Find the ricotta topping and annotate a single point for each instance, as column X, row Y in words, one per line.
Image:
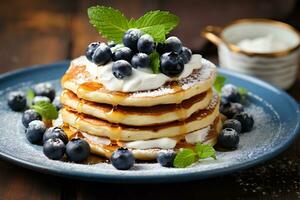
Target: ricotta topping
column 197, row 136
column 140, row 79
column 163, row 143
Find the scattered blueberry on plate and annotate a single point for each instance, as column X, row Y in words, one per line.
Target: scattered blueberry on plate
column 122, row 159
column 54, row 148
column 246, row 120
column 166, row 159
column 35, row 131
column 229, row 138
column 44, row 89
column 55, row 132
column 29, row 116
column 17, row 100
column 77, row 150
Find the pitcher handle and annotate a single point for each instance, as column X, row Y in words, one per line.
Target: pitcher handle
column 212, row 33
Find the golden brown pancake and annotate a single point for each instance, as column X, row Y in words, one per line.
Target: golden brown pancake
column 138, row 116
column 95, row 126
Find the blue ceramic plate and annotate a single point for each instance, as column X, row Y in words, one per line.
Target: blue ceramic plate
column 276, row 116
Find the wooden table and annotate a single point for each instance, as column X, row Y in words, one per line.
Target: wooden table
column 38, row 32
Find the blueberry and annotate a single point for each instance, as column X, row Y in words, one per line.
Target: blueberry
column 91, row 49
column 231, row 93
column 29, row 116
column 44, row 89
column 37, row 99
column 246, row 120
column 121, row 69
column 173, row 44
column 161, row 48
column 234, row 124
column 54, row 148
column 56, row 102
column 102, row 54
column 166, row 159
column 35, row 131
column 77, row 150
column 146, row 44
column 140, row 60
column 170, row 64
column 185, row 54
column 55, row 132
column 123, row 53
column 16, row 100
column 229, row 138
column 122, row 159
column 231, row 109
column 131, row 37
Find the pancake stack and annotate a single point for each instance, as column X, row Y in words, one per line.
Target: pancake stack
column 178, row 114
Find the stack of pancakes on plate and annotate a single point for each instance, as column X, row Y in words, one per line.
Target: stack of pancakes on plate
column 178, row 114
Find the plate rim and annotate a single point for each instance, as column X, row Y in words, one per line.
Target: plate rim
column 159, row 178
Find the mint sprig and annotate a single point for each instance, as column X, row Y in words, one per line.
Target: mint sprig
column 154, row 58
column 109, row 22
column 112, row 24
column 219, row 83
column 29, row 96
column 45, row 109
column 185, row 157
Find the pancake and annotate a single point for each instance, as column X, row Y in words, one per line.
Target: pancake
column 98, row 148
column 138, row 116
column 95, row 126
column 81, row 79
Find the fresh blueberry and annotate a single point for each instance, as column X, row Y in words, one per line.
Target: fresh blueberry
column 37, row 99
column 131, row 37
column 166, row 159
column 54, row 148
column 29, row 116
column 55, row 132
column 170, row 64
column 35, row 131
column 122, row 159
column 246, row 120
column 234, row 124
column 123, row 53
column 185, row 54
column 121, row 69
column 146, row 44
column 229, row 138
column 224, row 101
column 77, row 150
column 173, row 44
column 17, row 100
column 140, row 60
column 231, row 93
column 56, row 102
column 231, row 109
column 161, row 48
column 102, row 54
column 91, row 49
column 44, row 89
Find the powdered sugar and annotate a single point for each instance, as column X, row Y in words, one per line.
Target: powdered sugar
column 266, row 135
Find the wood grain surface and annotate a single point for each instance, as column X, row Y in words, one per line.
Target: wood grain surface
column 44, row 31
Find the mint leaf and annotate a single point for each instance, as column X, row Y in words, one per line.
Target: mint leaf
column 46, row 110
column 29, row 96
column 154, row 58
column 205, row 151
column 242, row 91
column 184, row 158
column 219, row 83
column 109, row 22
column 149, row 20
column 156, row 31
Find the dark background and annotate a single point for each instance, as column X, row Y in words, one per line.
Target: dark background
column 44, row 31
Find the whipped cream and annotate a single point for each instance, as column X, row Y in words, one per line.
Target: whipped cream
column 265, row 44
column 197, row 136
column 162, row 143
column 140, row 79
